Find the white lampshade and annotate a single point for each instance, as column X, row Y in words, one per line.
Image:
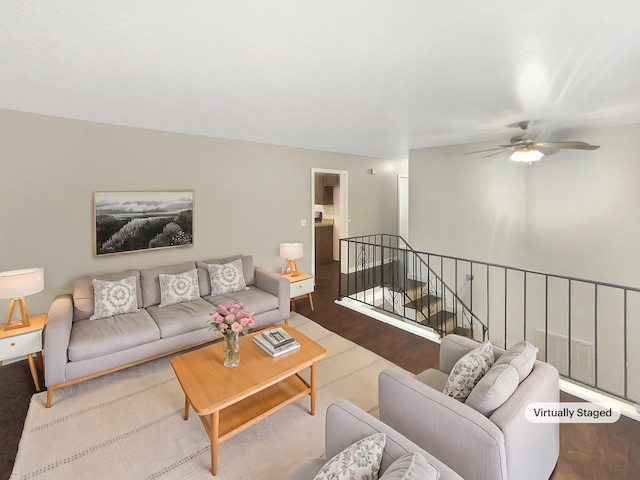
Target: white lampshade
column 20, row 283
column 526, row 155
column 291, row 250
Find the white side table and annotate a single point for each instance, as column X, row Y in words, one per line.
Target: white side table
column 24, row 341
column 302, row 285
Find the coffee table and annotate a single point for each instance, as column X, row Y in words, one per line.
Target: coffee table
column 229, row 400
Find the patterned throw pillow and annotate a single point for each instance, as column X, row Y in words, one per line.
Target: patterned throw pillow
column 180, row 288
column 361, row 460
column 468, row 371
column 226, row 278
column 114, row 298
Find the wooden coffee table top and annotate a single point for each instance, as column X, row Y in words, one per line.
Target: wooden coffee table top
column 210, row 386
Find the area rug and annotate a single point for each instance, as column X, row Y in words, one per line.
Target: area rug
column 130, row 425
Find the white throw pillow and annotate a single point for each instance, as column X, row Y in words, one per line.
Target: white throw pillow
column 226, row 278
column 180, row 288
column 521, row 356
column 411, row 466
column 468, row 371
column 358, row 461
column 114, row 298
column 493, row 389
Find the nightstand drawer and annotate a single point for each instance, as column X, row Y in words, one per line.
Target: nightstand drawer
column 18, row 345
column 302, row 287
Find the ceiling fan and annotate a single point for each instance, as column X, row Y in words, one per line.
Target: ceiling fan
column 525, row 147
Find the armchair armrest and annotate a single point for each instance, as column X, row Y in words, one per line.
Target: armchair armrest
column 532, row 448
column 57, row 333
column 277, row 285
column 462, row 438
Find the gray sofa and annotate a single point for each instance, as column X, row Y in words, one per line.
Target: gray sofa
column 77, row 348
column 346, row 424
column 498, row 445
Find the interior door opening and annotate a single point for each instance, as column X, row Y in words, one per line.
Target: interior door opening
column 329, row 210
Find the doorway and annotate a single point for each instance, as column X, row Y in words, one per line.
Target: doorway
column 329, row 209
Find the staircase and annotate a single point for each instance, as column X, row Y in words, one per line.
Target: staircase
column 392, row 277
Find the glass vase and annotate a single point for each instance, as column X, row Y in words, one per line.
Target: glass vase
column 231, row 350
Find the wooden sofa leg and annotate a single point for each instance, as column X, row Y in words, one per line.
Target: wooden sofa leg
column 49, row 396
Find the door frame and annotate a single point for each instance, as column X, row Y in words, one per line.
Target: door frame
column 403, row 206
column 341, row 226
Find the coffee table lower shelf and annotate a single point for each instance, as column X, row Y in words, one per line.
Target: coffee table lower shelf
column 247, row 412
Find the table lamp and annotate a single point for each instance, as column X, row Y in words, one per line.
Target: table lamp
column 17, row 284
column 291, row 251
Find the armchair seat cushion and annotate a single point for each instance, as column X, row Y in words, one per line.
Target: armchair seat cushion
column 434, row 378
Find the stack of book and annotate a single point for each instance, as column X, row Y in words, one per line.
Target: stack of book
column 276, row 342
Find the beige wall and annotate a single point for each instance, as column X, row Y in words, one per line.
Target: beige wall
column 248, row 197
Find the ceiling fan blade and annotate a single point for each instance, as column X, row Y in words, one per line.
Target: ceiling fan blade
column 497, row 153
column 501, row 147
column 569, row 145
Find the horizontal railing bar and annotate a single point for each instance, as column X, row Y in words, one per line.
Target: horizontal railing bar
column 517, row 269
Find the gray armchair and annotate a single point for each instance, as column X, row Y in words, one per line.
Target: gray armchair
column 346, row 424
column 502, row 446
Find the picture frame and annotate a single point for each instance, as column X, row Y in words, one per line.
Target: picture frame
column 134, row 221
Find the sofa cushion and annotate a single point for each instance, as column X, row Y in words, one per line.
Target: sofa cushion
column 248, row 271
column 359, row 460
column 181, row 317
column 254, row 300
column 468, row 371
column 114, row 297
column 493, row 389
column 83, row 292
column 521, row 356
column 150, row 281
column 226, row 278
column 179, row 288
column 411, row 466
column 95, row 338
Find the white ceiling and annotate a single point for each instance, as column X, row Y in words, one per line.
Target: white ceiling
column 369, row 77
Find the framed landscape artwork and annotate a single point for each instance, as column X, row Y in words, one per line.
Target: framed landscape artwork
column 144, row 220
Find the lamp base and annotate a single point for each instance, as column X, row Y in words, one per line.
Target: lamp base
column 291, row 268
column 11, row 323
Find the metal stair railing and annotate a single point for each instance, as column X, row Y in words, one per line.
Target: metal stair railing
column 585, row 328
column 381, row 266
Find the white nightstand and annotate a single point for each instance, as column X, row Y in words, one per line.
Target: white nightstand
column 301, row 285
column 24, row 341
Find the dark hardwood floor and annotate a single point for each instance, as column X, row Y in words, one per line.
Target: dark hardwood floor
column 587, row 451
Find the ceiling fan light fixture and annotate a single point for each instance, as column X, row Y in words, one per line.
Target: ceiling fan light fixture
column 526, row 155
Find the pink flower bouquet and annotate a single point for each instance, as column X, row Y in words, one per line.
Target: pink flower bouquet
column 232, row 318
